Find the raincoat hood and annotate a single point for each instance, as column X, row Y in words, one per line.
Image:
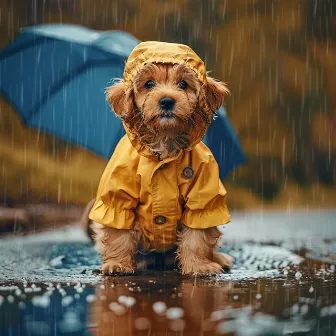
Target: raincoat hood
column 168, row 53
column 162, row 52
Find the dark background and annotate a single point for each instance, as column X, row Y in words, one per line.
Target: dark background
column 278, row 58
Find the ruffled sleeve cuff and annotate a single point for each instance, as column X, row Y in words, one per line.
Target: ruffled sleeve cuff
column 112, row 217
column 206, row 218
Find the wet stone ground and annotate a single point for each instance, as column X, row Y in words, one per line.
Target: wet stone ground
column 49, row 285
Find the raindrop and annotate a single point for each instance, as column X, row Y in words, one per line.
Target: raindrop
column 127, row 301
column 298, row 275
column 177, row 325
column 159, row 307
column 41, row 301
column 295, row 309
column 22, row 305
column 117, row 308
column 174, row 313
column 90, row 298
column 142, row 323
column 304, row 309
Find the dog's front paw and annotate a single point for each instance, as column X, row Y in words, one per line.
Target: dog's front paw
column 111, row 266
column 202, row 267
column 223, row 259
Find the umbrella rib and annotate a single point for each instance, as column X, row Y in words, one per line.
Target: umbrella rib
column 25, row 45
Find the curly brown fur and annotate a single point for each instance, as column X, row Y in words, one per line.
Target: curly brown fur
column 196, row 251
column 117, row 248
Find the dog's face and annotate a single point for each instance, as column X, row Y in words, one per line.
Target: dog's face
column 167, row 96
column 166, row 104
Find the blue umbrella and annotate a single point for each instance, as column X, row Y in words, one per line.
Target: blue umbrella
column 55, row 77
column 223, row 141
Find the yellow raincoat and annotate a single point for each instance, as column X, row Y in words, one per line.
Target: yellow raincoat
column 137, row 189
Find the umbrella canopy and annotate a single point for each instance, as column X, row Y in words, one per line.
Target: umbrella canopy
column 223, row 141
column 55, row 77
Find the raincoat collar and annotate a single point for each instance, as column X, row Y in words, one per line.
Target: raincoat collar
column 143, row 150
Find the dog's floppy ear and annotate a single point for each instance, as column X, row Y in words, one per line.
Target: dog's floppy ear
column 215, row 93
column 119, row 99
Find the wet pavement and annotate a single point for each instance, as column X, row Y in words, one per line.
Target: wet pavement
column 49, row 286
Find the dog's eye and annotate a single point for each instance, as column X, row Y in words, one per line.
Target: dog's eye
column 182, row 85
column 149, row 84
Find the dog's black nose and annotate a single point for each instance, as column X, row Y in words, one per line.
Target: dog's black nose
column 167, row 103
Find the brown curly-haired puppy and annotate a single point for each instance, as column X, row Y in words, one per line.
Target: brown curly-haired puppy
column 163, row 108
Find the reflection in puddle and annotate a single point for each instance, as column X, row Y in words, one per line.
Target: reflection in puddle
column 164, row 303
column 160, row 302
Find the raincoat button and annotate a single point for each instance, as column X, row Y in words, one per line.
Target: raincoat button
column 160, row 220
column 188, row 172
